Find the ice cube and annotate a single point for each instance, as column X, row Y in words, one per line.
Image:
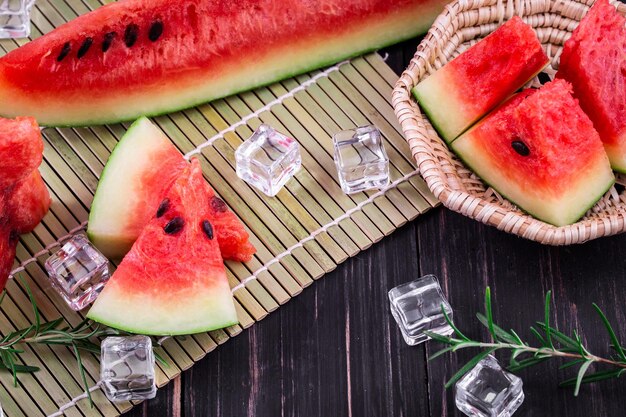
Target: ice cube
column 15, row 18
column 488, row 391
column 127, row 368
column 78, row 271
column 416, row 306
column 268, row 159
column 361, row 160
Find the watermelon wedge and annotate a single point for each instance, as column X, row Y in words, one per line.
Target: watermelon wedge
column 24, row 198
column 149, row 57
column 468, row 87
column 141, row 167
column 540, row 151
column 173, row 279
column 594, row 62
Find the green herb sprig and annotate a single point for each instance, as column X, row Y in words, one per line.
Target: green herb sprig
column 82, row 337
column 551, row 344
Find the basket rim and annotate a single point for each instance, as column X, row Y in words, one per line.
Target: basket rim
column 412, row 121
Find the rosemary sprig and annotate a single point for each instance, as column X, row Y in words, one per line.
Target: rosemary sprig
column 552, row 344
column 82, row 337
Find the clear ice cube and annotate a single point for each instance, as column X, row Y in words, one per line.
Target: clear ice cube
column 416, row 306
column 78, row 271
column 268, row 160
column 127, row 368
column 15, row 18
column 361, row 160
column 489, row 391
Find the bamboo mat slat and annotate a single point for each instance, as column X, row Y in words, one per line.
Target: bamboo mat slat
column 309, row 228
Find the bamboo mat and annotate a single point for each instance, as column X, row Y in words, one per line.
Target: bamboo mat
column 304, row 232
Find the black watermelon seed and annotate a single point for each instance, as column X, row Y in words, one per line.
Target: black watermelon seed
column 14, row 236
column 208, row 229
column 218, row 205
column 108, row 40
column 163, row 207
column 156, row 30
column 520, row 147
column 84, row 48
column 131, row 34
column 67, row 48
column 174, row 226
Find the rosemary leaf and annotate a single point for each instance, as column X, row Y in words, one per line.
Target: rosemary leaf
column 581, row 374
column 609, row 329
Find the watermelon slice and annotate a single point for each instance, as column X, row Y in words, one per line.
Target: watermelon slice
column 173, row 279
column 24, row 198
column 594, row 61
column 472, row 84
column 142, row 166
column 540, row 151
column 148, row 57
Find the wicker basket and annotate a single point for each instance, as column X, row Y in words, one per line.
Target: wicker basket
column 462, row 24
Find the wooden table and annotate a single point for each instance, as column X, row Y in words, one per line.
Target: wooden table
column 335, row 350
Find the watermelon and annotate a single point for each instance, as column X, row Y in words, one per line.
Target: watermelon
column 24, row 198
column 149, row 57
column 475, row 82
column 141, row 167
column 541, row 151
column 21, row 149
column 594, row 62
column 173, row 279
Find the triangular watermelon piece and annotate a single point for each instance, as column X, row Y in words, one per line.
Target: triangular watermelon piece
column 173, row 279
column 594, row 61
column 141, row 167
column 541, row 152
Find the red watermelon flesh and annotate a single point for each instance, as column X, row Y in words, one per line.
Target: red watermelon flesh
column 594, row 62
column 28, row 204
column 482, row 77
column 141, row 168
column 148, row 57
column 173, row 279
column 21, row 149
column 541, row 151
column 24, row 198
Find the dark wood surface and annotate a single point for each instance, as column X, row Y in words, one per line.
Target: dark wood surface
column 335, row 350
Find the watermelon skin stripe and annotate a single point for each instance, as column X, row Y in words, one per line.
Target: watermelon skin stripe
column 231, row 47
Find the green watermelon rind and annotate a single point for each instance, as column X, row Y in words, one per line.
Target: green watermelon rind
column 118, row 149
column 420, row 29
column 579, row 216
column 438, row 128
column 145, row 330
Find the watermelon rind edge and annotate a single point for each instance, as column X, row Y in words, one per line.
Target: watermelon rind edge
column 579, row 216
column 145, row 331
column 118, row 148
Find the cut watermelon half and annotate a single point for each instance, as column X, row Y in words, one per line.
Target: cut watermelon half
column 147, row 57
column 173, row 279
column 594, row 62
column 468, row 87
column 141, row 167
column 540, row 151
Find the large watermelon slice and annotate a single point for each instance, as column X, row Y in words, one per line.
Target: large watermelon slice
column 24, row 198
column 540, row 150
column 148, row 57
column 142, row 166
column 594, row 61
column 173, row 279
column 472, row 84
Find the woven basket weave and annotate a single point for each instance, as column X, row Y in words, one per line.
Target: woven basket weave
column 462, row 24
